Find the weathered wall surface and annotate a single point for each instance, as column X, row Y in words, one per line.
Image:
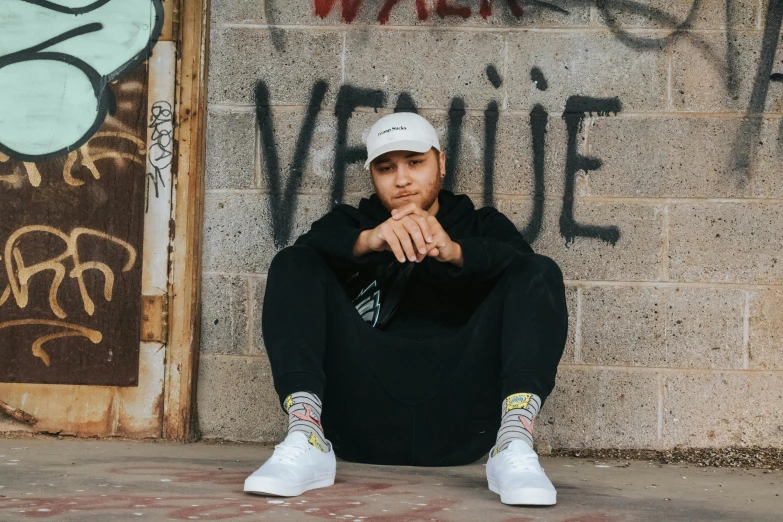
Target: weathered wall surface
column 638, row 143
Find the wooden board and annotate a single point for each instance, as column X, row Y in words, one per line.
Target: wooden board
column 71, row 248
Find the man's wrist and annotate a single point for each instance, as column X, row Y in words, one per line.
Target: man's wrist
column 361, row 247
column 458, row 259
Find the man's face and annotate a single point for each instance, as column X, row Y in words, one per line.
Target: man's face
column 402, row 177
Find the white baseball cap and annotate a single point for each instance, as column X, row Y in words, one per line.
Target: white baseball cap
column 400, row 131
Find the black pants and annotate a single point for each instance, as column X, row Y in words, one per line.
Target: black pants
column 394, row 400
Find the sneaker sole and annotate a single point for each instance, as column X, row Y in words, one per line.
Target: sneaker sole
column 268, row 486
column 525, row 497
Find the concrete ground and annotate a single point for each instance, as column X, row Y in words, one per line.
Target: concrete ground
column 78, row 480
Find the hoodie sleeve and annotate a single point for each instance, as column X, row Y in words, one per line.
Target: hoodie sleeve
column 334, row 236
column 485, row 256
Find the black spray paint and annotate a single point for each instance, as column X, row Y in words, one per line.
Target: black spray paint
column 538, row 78
column 751, row 126
column 732, row 56
column 454, row 141
column 349, row 99
column 405, row 103
column 490, row 145
column 161, row 150
column 283, row 202
column 574, row 115
column 494, row 77
column 750, row 129
column 539, row 119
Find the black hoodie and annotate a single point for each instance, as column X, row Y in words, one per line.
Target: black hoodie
column 420, row 299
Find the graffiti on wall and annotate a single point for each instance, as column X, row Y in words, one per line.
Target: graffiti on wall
column 85, row 156
column 442, row 8
column 576, row 108
column 161, row 148
column 19, row 274
column 283, row 199
column 56, row 60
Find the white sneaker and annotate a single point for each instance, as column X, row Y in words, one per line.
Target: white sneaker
column 518, row 478
column 296, row 466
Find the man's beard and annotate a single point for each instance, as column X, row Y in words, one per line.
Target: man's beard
column 431, row 195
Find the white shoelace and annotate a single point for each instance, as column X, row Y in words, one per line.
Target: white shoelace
column 288, row 452
column 523, row 462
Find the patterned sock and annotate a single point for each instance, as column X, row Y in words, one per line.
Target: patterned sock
column 304, row 414
column 519, row 413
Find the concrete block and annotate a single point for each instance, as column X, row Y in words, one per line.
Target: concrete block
column 587, row 64
column 668, row 14
column 664, row 157
column 242, row 56
column 765, row 343
column 514, row 169
column 224, row 314
column 238, row 229
column 636, row 256
column 431, row 66
column 700, row 81
column 257, row 291
column 600, row 408
column 369, row 12
column 713, row 409
column 726, row 242
column 231, row 150
column 704, row 327
column 236, row 400
column 767, row 181
column 623, row 326
column 660, row 327
column 237, row 11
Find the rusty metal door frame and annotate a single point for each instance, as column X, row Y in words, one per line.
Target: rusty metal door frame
column 192, row 36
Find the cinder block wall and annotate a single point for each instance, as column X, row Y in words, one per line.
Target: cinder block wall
column 640, row 147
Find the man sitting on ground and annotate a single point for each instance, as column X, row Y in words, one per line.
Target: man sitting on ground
column 406, row 320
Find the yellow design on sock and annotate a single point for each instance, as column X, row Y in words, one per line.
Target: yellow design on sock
column 289, row 401
column 314, row 441
column 518, row 401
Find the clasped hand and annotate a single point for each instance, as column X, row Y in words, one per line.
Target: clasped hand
column 413, row 234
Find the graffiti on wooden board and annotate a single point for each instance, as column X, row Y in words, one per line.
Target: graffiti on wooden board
column 56, row 59
column 71, row 251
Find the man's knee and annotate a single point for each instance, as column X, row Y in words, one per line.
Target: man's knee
column 296, row 259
